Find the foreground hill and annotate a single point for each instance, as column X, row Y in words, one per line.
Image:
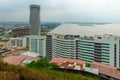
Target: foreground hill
column 12, row 72
column 32, row 72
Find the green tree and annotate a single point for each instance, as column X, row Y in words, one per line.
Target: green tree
column 87, row 64
column 42, row 63
column 0, row 56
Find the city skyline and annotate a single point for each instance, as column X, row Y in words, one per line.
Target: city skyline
column 62, row 11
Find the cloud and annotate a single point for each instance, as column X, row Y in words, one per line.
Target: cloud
column 15, row 10
column 63, row 10
column 84, row 10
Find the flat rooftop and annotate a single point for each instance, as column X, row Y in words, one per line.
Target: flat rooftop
column 35, row 5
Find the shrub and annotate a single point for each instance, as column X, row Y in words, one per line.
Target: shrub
column 42, row 63
column 87, row 64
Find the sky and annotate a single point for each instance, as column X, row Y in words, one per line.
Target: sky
column 107, row 11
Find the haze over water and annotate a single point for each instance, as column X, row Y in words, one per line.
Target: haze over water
column 75, row 29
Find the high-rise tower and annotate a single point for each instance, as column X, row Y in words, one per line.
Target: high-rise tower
column 34, row 19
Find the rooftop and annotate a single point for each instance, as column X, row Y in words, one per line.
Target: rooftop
column 18, row 60
column 74, row 29
column 34, row 5
column 106, row 69
column 69, row 63
column 30, row 54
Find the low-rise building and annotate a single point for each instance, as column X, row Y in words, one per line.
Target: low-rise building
column 19, row 41
column 20, row 32
column 106, row 71
column 4, row 51
column 65, row 63
column 19, row 60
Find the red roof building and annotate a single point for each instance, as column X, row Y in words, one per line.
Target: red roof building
column 106, row 70
column 19, row 60
column 69, row 63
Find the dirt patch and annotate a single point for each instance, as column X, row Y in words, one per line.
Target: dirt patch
column 2, row 44
column 16, row 52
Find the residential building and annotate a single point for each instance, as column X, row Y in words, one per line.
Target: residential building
column 49, row 46
column 20, row 32
column 104, row 49
column 19, row 41
column 38, row 45
column 2, row 29
column 83, row 43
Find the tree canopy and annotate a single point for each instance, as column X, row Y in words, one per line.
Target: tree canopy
column 42, row 63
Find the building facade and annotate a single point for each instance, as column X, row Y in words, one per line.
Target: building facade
column 104, row 49
column 38, row 45
column 64, row 46
column 49, row 46
column 34, row 19
column 19, row 41
column 20, row 32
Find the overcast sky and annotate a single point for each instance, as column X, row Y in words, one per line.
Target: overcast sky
column 63, row 10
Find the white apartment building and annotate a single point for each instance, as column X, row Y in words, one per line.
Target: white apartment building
column 81, row 42
column 19, row 41
column 38, row 45
column 104, row 49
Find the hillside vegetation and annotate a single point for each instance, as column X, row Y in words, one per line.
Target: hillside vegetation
column 12, row 72
column 40, row 70
column 50, row 68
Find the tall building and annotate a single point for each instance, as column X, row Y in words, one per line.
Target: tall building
column 49, row 46
column 37, row 43
column 34, row 19
column 99, row 43
column 87, row 43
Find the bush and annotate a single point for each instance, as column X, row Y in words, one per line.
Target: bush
column 53, row 65
column 42, row 63
column 87, row 64
column 118, row 69
column 9, row 76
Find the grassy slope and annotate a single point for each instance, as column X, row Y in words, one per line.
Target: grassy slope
column 69, row 76
column 12, row 72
